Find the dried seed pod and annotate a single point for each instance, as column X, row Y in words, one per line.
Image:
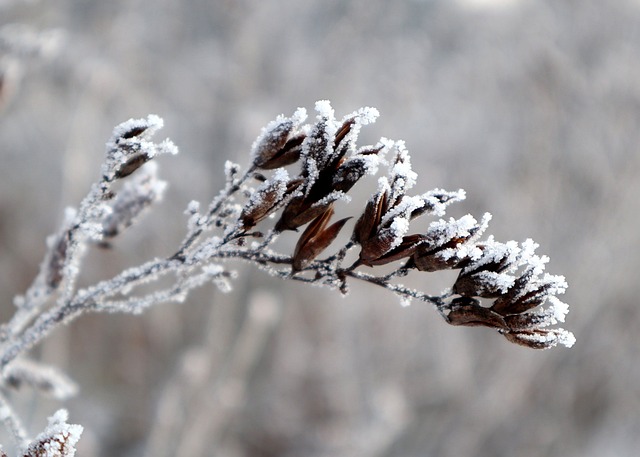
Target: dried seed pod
column 528, row 292
column 277, row 139
column 271, row 141
column 327, row 172
column 370, row 219
column 134, row 131
column 268, row 198
column 343, row 131
column 377, row 246
column 540, row 338
column 485, row 284
column 287, row 155
column 318, row 149
column 132, row 164
column 315, row 239
column 293, row 208
column 406, row 248
column 446, row 256
column 449, row 244
column 473, row 315
column 291, row 220
column 486, row 275
column 130, row 147
column 350, row 172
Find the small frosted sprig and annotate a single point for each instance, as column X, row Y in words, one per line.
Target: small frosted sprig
column 508, row 273
column 131, row 146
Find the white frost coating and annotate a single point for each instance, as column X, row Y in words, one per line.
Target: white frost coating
column 550, row 338
column 558, row 308
column 565, row 337
column 311, row 168
column 294, row 122
column 230, row 168
column 558, row 282
column 494, row 281
column 528, row 257
column 152, row 124
column 367, row 115
column 443, row 231
column 403, row 209
column 401, row 170
column 326, row 113
column 280, row 175
column 58, row 439
column 439, row 208
column 277, row 183
column 193, row 207
column 332, row 197
column 44, row 378
column 495, row 252
column 273, row 190
column 398, row 228
column 383, row 185
column 299, row 116
column 167, row 147
column 133, row 139
column 193, row 211
column 371, row 163
column 213, row 269
column 324, row 109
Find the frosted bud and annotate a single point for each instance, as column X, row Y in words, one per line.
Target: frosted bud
column 279, row 143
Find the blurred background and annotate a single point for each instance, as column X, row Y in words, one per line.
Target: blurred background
column 533, row 107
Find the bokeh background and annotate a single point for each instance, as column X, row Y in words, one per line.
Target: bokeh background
column 531, row 106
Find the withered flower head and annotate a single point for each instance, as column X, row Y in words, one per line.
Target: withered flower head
column 331, row 165
column 518, row 312
column 382, row 228
column 130, row 147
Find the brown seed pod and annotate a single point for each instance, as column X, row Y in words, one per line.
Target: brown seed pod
column 315, row 239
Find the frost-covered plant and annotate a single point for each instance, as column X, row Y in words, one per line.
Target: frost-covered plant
column 298, row 173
